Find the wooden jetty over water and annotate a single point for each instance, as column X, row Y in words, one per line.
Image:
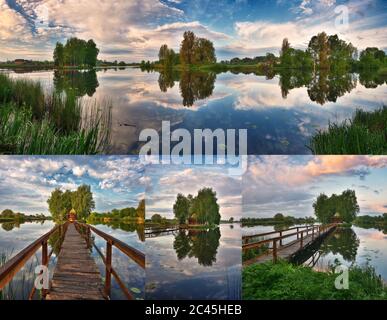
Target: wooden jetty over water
column 283, row 244
column 158, row 232
column 76, row 275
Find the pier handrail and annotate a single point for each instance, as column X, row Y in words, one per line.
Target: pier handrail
column 300, row 237
column 274, row 232
column 134, row 254
column 13, row 266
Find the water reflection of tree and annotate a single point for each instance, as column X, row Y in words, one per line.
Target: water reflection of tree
column 167, row 79
column 372, row 79
column 196, row 86
column 9, row 226
column 193, row 85
column 343, row 241
column 78, row 82
column 201, row 244
column 325, row 86
column 126, row 226
column 328, row 86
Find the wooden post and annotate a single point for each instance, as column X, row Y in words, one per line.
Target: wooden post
column 313, row 233
column 281, row 238
column 298, row 230
column 88, row 237
column 302, row 239
column 274, row 251
column 108, row 276
column 44, row 253
column 44, row 261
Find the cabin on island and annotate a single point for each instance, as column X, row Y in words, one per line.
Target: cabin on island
column 72, row 216
column 337, row 218
column 193, row 219
column 20, row 61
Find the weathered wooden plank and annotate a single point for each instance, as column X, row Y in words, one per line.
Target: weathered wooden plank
column 76, row 276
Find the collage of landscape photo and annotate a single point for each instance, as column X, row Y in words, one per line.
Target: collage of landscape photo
column 193, row 150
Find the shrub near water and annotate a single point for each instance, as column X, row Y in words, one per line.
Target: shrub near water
column 284, row 281
column 366, row 133
column 34, row 123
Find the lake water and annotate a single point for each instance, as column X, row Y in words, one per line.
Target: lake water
column 346, row 246
column 194, row 264
column 14, row 238
column 280, row 112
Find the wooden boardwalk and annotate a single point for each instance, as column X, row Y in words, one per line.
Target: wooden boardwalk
column 286, row 251
column 76, row 276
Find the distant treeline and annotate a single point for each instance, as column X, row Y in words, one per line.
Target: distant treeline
column 324, row 52
column 364, row 220
column 120, row 214
column 9, row 215
column 279, row 218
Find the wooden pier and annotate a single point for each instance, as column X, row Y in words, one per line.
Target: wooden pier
column 274, row 248
column 76, row 275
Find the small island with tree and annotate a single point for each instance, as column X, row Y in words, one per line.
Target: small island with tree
column 81, row 203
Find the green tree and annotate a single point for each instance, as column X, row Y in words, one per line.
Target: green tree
column 279, row 217
column 163, row 52
column 345, row 205
column 205, row 207
column 181, row 208
column 140, row 211
column 91, row 53
column 82, row 201
column 187, row 49
column 59, row 55
column 156, row 218
column 58, row 204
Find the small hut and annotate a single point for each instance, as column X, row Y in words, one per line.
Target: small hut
column 337, row 218
column 193, row 219
column 72, row 216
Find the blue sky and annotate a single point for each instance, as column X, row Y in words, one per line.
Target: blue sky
column 134, row 30
column 27, row 182
column 290, row 185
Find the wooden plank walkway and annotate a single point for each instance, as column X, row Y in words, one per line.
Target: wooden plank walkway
column 287, row 251
column 76, row 276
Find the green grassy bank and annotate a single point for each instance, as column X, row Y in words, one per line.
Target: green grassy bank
column 33, row 121
column 366, row 133
column 284, row 281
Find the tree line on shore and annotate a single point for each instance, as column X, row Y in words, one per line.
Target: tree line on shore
column 8, row 214
column 323, row 52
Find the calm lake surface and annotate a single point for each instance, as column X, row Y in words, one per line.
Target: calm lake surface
column 345, row 245
column 281, row 112
column 194, row 264
column 14, row 238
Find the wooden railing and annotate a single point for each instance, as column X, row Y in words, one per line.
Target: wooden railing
column 131, row 252
column 15, row 264
column 277, row 242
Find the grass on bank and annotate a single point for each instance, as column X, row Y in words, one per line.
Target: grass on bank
column 35, row 122
column 284, row 281
column 366, row 133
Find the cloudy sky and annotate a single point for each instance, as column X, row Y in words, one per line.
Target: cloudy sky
column 289, row 185
column 134, row 30
column 26, row 182
column 165, row 182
